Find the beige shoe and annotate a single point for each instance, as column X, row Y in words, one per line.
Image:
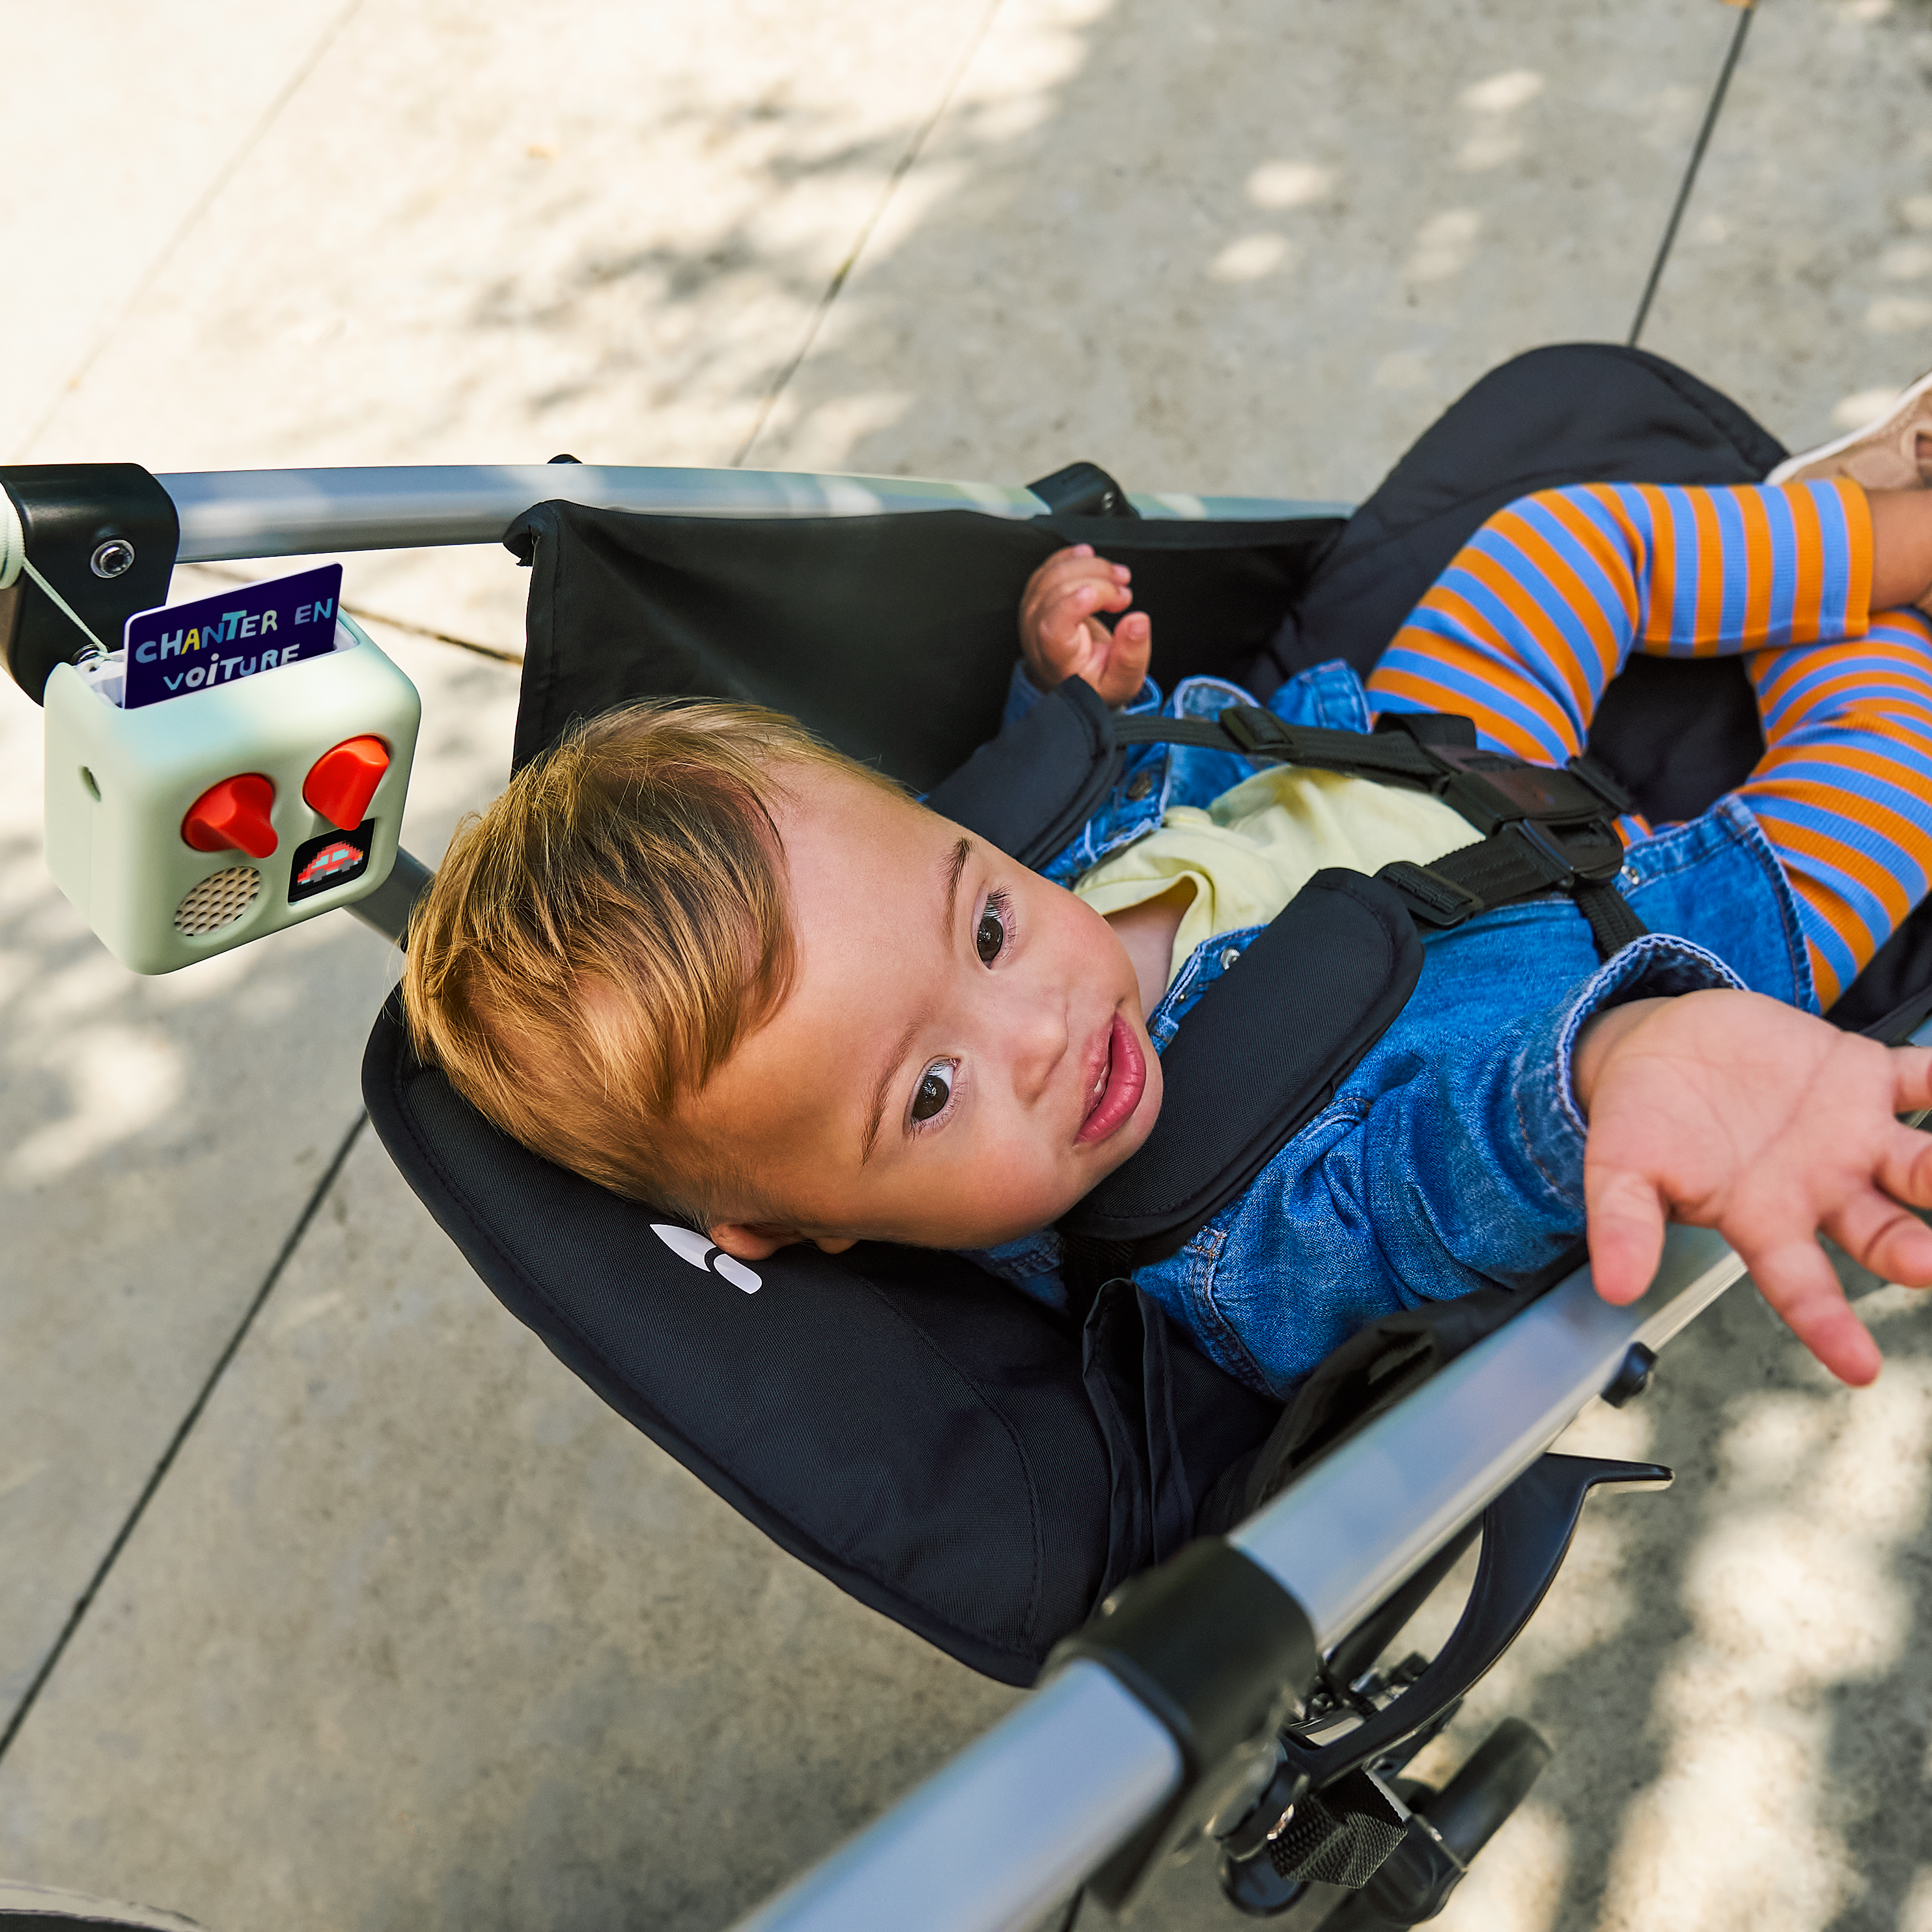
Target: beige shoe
column 1893, row 453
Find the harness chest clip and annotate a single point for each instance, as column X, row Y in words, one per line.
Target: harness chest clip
column 1491, row 790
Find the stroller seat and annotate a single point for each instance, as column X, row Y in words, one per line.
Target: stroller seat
column 951, row 1453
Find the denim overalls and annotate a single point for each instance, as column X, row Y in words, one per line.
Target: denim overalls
column 1452, row 1157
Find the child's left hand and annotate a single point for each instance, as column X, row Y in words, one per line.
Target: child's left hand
column 1731, row 1111
column 1061, row 634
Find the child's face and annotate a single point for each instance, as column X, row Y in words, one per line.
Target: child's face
column 962, row 1055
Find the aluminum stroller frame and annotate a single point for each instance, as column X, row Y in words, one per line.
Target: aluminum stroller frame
column 1129, row 1748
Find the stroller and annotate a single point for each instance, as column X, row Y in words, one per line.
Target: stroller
column 1043, row 1500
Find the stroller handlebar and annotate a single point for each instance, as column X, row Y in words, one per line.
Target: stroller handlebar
column 1016, row 1822
column 253, row 513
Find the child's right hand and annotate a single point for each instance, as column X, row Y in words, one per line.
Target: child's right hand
column 1730, row 1111
column 1061, row 633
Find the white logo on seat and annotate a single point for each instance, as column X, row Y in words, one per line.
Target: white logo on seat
column 689, row 1245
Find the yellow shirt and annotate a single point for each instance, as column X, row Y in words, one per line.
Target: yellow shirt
column 1258, row 845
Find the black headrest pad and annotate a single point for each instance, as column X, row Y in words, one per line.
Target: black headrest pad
column 917, row 1432
column 1259, row 1056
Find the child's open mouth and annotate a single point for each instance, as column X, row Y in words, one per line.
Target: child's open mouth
column 1118, row 1087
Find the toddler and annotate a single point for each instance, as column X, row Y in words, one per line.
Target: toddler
column 702, row 959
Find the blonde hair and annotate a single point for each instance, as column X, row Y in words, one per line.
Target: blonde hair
column 595, row 944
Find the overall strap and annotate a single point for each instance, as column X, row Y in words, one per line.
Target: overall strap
column 1544, row 829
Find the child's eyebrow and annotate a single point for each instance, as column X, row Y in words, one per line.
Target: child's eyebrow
column 956, row 865
column 878, row 1114
column 954, row 870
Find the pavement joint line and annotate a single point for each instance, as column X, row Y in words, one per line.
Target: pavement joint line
column 1746, row 8
column 85, row 1601
column 203, row 203
column 364, row 616
column 914, row 149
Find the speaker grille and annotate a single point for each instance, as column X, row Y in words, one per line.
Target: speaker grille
column 220, row 900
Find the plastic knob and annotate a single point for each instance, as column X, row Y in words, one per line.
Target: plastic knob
column 342, row 782
column 233, row 817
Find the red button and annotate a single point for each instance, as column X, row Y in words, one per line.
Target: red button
column 342, row 782
column 233, row 817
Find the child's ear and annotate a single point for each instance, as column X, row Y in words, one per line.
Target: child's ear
column 749, row 1241
column 745, row 1243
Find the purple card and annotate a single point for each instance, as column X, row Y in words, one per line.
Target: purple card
column 243, row 632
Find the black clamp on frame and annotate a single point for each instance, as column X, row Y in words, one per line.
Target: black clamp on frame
column 1082, row 490
column 1221, row 1654
column 103, row 535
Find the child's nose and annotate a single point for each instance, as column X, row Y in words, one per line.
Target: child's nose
column 1037, row 1028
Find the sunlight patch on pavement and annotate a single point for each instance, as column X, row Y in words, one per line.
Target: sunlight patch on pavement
column 1793, row 1591
column 118, row 1082
column 1444, row 245
column 1290, row 184
column 1860, row 407
column 1251, row 257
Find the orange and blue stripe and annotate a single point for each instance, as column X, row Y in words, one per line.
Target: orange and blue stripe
column 1541, row 609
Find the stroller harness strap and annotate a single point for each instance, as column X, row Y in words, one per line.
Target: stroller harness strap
column 1331, row 972
column 1544, row 829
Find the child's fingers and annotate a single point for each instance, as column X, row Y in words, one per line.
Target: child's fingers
column 1625, row 1227
column 1126, row 653
column 1903, row 1168
column 1071, row 602
column 1880, row 1235
column 1798, row 1281
column 1912, row 1074
column 1051, row 582
column 1066, row 567
column 1060, row 561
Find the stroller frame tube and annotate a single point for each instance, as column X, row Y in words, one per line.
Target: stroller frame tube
column 1340, row 1538
column 226, row 514
column 1015, row 1823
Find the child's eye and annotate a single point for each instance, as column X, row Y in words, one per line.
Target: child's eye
column 935, row 1089
column 989, row 936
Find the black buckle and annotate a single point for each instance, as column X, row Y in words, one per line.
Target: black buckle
column 1556, row 862
column 1436, row 901
column 1491, row 789
column 1259, row 733
column 1590, row 853
column 1434, row 730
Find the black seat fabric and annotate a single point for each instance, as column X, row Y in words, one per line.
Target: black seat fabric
column 945, row 1449
column 949, row 1452
column 892, row 636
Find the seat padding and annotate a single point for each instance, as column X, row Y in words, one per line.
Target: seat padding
column 949, row 1452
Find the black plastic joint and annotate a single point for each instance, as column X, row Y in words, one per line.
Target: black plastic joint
column 1256, row 730
column 1209, row 1642
column 1082, row 490
column 1217, row 1649
column 104, row 535
column 1633, row 1376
